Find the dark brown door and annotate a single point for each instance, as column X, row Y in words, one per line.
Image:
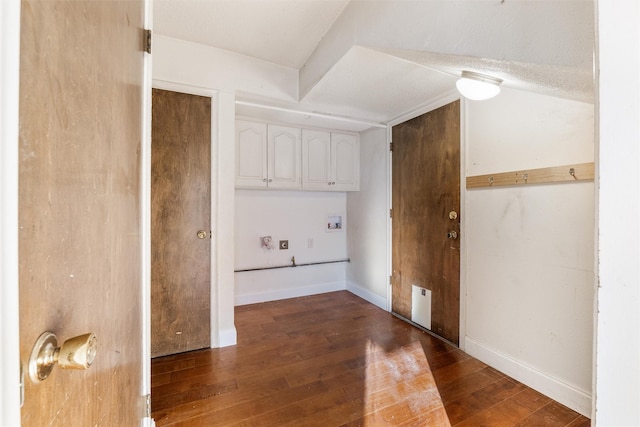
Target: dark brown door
column 425, row 190
column 180, row 222
column 81, row 79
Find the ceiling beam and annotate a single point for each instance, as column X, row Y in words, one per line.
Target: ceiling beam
column 557, row 33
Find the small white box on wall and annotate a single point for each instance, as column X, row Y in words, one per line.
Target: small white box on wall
column 334, row 223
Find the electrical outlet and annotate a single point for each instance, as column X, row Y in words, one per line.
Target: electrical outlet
column 284, row 244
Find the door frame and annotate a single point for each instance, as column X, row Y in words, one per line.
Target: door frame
column 9, row 145
column 431, row 105
column 145, row 216
column 218, row 336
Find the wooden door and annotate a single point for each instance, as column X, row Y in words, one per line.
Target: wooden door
column 180, row 209
column 426, row 188
column 81, row 93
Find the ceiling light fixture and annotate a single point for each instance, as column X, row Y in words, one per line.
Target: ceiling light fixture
column 478, row 87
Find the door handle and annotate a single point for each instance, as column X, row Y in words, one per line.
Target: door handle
column 75, row 353
column 202, row 234
column 452, row 235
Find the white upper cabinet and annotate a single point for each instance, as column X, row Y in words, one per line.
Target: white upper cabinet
column 330, row 161
column 251, row 154
column 283, row 152
column 316, row 160
column 267, row 156
column 345, row 162
column 283, row 157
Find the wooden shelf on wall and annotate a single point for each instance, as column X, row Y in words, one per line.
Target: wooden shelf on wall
column 566, row 173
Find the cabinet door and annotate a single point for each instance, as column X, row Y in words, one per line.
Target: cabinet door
column 283, row 170
column 345, row 162
column 251, row 154
column 316, row 160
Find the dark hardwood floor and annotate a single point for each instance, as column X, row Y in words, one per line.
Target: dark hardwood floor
column 335, row 360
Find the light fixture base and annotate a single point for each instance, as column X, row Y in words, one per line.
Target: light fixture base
column 477, row 86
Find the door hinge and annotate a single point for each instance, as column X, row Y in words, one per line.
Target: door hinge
column 147, row 41
column 391, row 213
column 21, row 385
column 390, row 280
column 391, row 146
column 147, row 410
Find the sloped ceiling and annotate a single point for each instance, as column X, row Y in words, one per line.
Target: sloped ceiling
column 284, row 32
column 376, row 60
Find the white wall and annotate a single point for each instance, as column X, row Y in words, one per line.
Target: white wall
column 179, row 61
column 618, row 329
column 367, row 211
column 223, row 173
column 296, row 216
column 530, row 248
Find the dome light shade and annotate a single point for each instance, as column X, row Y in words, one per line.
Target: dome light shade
column 478, row 87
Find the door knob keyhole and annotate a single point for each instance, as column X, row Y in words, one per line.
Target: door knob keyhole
column 75, row 353
column 452, row 235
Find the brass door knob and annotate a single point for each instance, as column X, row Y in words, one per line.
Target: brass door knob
column 75, row 353
column 452, row 235
column 202, row 234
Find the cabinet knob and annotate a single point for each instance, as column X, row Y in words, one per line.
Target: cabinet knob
column 264, row 180
column 270, row 180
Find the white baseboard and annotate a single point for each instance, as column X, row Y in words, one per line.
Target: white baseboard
column 367, row 295
column 570, row 396
column 304, row 291
column 228, row 337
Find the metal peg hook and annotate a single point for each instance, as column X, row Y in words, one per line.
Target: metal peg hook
column 572, row 172
column 525, row 177
column 490, row 181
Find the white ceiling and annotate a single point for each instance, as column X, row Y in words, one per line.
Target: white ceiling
column 377, row 60
column 284, row 32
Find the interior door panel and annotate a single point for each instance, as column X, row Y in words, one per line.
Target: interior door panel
column 180, row 222
column 426, row 245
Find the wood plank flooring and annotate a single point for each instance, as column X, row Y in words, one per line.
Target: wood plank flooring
column 336, row 360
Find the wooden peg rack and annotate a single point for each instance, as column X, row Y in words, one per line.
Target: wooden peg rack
column 567, row 173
